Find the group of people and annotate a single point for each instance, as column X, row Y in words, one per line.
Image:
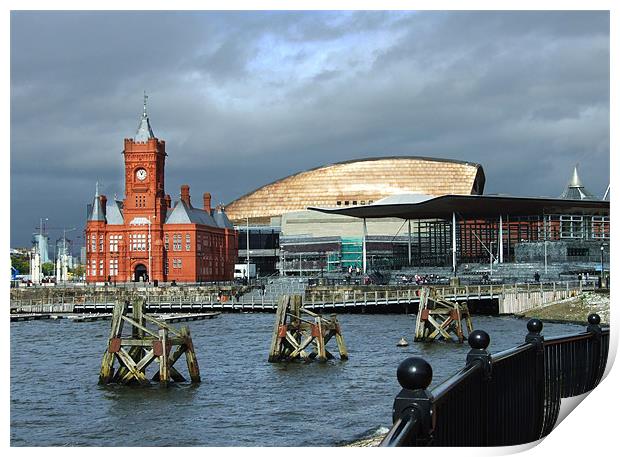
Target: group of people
column 354, row 271
column 422, row 279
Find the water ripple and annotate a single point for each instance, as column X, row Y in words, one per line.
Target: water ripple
column 242, row 401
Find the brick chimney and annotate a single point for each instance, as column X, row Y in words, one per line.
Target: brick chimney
column 206, row 199
column 185, row 194
column 168, row 201
column 103, row 199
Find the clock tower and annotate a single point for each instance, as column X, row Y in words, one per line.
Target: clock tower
column 145, row 239
column 145, row 159
column 145, row 205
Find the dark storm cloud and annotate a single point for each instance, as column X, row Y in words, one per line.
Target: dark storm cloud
column 245, row 98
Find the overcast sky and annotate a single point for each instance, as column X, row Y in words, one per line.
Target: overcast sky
column 243, row 99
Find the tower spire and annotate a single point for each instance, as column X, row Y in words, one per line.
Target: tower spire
column 96, row 211
column 144, row 132
column 575, row 181
column 144, row 115
column 575, row 189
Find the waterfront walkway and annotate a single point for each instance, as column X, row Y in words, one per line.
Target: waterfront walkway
column 510, row 299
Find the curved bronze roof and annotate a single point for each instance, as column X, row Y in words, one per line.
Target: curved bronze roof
column 358, row 182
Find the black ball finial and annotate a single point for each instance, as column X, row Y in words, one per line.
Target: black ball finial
column 414, row 373
column 594, row 319
column 535, row 326
column 479, row 339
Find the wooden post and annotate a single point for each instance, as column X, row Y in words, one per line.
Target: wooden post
column 292, row 333
column 137, row 313
column 342, row 348
column 164, row 371
column 190, row 355
column 137, row 351
column 279, row 327
column 438, row 317
column 107, row 364
column 320, row 346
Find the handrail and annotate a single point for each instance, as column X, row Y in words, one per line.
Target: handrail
column 567, row 338
column 507, row 353
column 439, row 392
column 515, row 393
column 400, row 431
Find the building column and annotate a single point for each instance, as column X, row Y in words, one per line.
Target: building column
column 409, row 240
column 364, row 235
column 453, row 243
column 501, row 240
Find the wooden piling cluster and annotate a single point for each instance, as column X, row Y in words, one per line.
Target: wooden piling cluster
column 145, row 345
column 297, row 328
column 440, row 318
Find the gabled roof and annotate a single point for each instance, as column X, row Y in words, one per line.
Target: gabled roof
column 182, row 213
column 221, row 219
column 114, row 213
column 575, row 190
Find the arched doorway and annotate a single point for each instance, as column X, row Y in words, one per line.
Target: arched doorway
column 139, row 273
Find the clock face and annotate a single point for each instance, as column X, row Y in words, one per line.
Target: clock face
column 141, row 174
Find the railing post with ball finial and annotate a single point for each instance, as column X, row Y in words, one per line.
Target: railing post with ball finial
column 412, row 406
column 479, row 341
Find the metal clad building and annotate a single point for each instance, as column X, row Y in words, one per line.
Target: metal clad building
column 357, row 182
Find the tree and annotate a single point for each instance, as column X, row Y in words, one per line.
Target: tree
column 78, row 271
column 47, row 268
column 21, row 263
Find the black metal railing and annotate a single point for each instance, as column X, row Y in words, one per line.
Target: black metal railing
column 509, row 398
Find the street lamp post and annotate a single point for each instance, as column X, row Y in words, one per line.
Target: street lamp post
column 545, row 238
column 55, row 266
column 149, row 242
column 247, row 248
column 283, row 266
column 602, row 252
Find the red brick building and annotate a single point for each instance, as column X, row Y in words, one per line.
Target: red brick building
column 189, row 244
